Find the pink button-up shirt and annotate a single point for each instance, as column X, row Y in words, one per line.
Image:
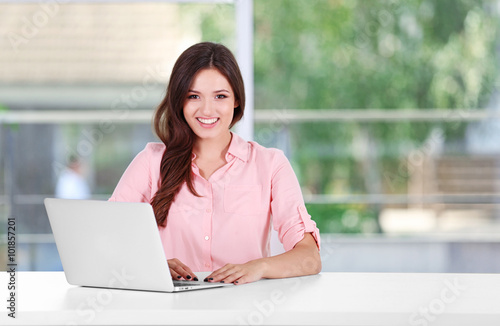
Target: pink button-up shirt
column 231, row 221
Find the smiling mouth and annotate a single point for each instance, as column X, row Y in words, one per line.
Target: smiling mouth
column 208, row 121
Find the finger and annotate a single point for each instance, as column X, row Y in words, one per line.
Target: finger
column 233, row 277
column 189, row 274
column 182, row 270
column 176, row 268
column 209, row 278
column 186, row 273
column 223, row 273
column 175, row 275
column 214, row 274
column 242, row 280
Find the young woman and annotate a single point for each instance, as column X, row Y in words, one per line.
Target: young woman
column 215, row 195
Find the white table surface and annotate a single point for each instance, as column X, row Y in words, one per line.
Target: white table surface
column 45, row 298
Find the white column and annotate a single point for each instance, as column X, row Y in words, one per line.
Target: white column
column 244, row 55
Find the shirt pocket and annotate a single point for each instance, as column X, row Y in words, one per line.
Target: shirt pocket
column 242, row 199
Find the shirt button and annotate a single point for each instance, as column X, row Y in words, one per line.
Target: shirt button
column 207, row 265
column 302, row 208
column 207, row 237
column 208, row 210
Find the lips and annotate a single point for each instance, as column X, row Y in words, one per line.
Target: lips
column 208, row 121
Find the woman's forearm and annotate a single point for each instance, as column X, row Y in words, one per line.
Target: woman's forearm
column 303, row 259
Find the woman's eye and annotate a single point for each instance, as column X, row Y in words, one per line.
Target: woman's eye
column 193, row 97
column 220, row 96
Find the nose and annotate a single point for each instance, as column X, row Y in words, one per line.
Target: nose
column 207, row 108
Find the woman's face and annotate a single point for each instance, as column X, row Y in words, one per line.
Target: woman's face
column 209, row 105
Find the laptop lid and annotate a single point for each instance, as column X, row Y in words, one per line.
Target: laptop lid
column 110, row 244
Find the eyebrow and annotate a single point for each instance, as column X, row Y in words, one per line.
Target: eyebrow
column 217, row 91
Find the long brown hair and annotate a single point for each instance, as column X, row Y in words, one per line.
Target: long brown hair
column 171, row 126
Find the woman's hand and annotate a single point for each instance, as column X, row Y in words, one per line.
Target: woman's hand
column 178, row 270
column 239, row 273
column 303, row 259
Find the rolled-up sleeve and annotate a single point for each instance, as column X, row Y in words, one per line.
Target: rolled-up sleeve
column 289, row 214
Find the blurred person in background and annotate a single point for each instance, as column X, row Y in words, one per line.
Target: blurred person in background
column 215, row 195
column 71, row 183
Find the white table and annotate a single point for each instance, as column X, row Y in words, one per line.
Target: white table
column 44, row 298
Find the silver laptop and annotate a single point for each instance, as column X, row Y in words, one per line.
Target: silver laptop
column 113, row 245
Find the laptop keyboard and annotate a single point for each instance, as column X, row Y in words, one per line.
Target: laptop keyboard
column 186, row 283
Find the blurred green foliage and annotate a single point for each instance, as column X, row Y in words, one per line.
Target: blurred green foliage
column 343, row 218
column 320, row 54
column 216, row 22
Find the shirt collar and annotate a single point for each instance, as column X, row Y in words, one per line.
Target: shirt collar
column 238, row 148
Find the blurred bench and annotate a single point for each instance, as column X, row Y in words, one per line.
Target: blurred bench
column 461, row 176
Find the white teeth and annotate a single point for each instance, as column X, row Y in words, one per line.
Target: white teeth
column 208, row 121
